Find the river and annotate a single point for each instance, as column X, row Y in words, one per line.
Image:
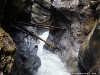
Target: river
column 50, row 62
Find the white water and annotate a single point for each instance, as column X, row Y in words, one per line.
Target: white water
column 50, row 63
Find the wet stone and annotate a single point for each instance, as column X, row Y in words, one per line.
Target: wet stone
column 6, row 63
column 26, row 59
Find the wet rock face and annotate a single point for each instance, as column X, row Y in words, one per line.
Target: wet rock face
column 90, row 50
column 72, row 18
column 67, row 40
column 26, row 61
column 41, row 11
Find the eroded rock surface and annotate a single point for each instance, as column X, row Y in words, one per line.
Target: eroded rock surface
column 26, row 61
column 70, row 15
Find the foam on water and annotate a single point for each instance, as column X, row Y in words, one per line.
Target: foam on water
column 50, row 62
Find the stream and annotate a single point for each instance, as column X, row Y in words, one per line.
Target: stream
column 50, row 62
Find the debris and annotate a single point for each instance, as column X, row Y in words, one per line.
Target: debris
column 33, row 34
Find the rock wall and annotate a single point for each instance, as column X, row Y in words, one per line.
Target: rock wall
column 26, row 61
column 72, row 15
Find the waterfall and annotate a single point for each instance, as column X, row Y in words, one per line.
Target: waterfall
column 50, row 62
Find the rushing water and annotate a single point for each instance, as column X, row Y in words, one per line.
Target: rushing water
column 50, row 62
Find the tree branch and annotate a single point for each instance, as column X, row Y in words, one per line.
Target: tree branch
column 33, row 34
